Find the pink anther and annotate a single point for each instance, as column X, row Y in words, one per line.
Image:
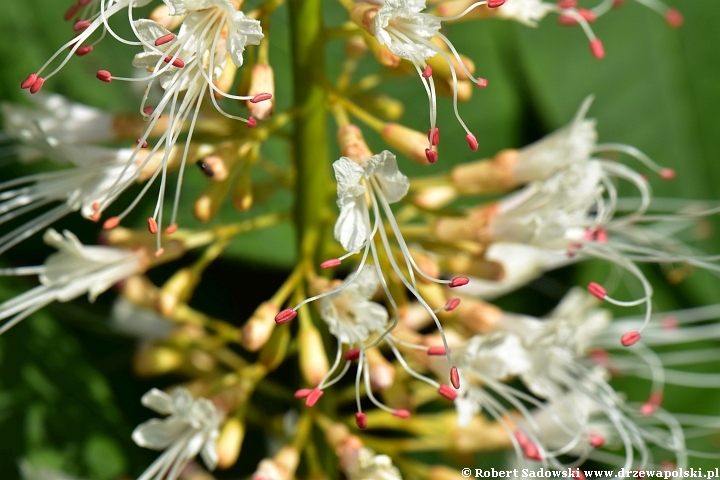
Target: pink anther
column 361, row 420
column 472, row 142
column 427, row 73
column 447, row 392
column 630, row 338
column 165, row 39
column 352, row 354
column 431, row 155
column 152, row 225
column 597, row 290
column 285, row 316
column 459, row 282
column 332, row 263
column 436, row 351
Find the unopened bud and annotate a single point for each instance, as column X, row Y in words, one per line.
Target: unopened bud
column 446, row 88
column 227, row 78
column 208, row 204
column 152, row 360
column 257, row 330
column 243, row 193
column 262, row 80
column 435, row 197
column 426, row 264
column 382, row 373
column 161, row 15
column 382, row 106
column 229, row 443
column 381, row 52
column 486, row 176
column 273, row 353
column 352, row 143
column 408, row 142
column 470, row 227
column 479, row 317
column 441, row 69
column 313, row 360
column 177, row 290
column 355, row 47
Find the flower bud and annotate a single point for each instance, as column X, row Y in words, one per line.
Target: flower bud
column 208, row 204
column 226, row 79
column 257, row 330
column 382, row 373
column 230, row 442
column 153, row 360
column 453, row 8
column 313, row 360
column 464, row 89
column 161, row 15
column 262, row 80
column 140, row 291
column 433, row 198
column 352, row 144
column 410, row 143
column 382, row 106
column 273, row 353
column 470, row 227
column 128, row 126
column 355, row 47
column 427, row 264
column 177, row 290
column 381, row 52
column 479, row 317
column 486, row 176
column 243, row 193
column 474, row 266
column 363, row 15
column 441, row 69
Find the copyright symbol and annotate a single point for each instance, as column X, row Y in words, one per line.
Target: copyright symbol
column 466, row 472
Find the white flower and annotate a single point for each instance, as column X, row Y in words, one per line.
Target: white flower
column 370, row 466
column 498, row 356
column 191, row 428
column 571, row 144
column 529, row 12
column 58, row 118
column 406, row 32
column 380, row 177
column 69, row 273
column 350, row 314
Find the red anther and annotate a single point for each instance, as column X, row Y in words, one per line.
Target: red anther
column 302, row 393
column 28, row 82
column 566, row 20
column 447, row 392
column 597, row 48
column 567, row 3
column 455, row 377
column 495, row 3
column 599, row 356
column 667, row 173
column 361, row 420
column 588, row 15
column 70, row 13
column 165, row 39
column 148, row 110
column 481, row 82
column 313, row 397
column 111, row 223
column 427, row 73
column 401, row 413
column 647, row 409
column 37, row 85
column 84, row 50
column 159, row 252
column 352, row 354
column 668, row 466
column 95, row 206
column 630, row 338
column 285, row 316
column 176, row 62
column 434, row 136
column 436, row 351
column 597, row 290
column 81, row 25
column 472, row 142
column 104, row 76
column 452, row 304
column 618, row 3
column 171, row 229
column 152, row 225
column 531, row 452
column 252, row 123
column 431, row 155
column 577, row 473
column 595, row 440
column 95, row 217
column 261, row 97
column 656, row 398
column 521, row 438
column 332, row 263
column 459, row 282
column 82, row 3
column 601, row 235
column 674, row 18
column 144, row 144
column 669, row 323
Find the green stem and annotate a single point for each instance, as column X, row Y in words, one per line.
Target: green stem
column 310, row 133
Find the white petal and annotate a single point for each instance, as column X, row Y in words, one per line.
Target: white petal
column 209, row 453
column 350, row 229
column 244, row 31
column 159, row 434
column 159, row 401
column 149, row 31
column 394, row 184
column 366, row 282
column 348, row 175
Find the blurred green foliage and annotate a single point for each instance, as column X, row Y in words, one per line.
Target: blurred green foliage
column 67, row 396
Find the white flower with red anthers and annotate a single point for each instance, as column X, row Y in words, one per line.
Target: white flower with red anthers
column 352, row 318
column 73, row 270
column 58, row 118
column 529, row 12
column 191, row 428
column 407, row 32
column 186, row 65
column 365, row 191
column 95, row 17
column 81, row 188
